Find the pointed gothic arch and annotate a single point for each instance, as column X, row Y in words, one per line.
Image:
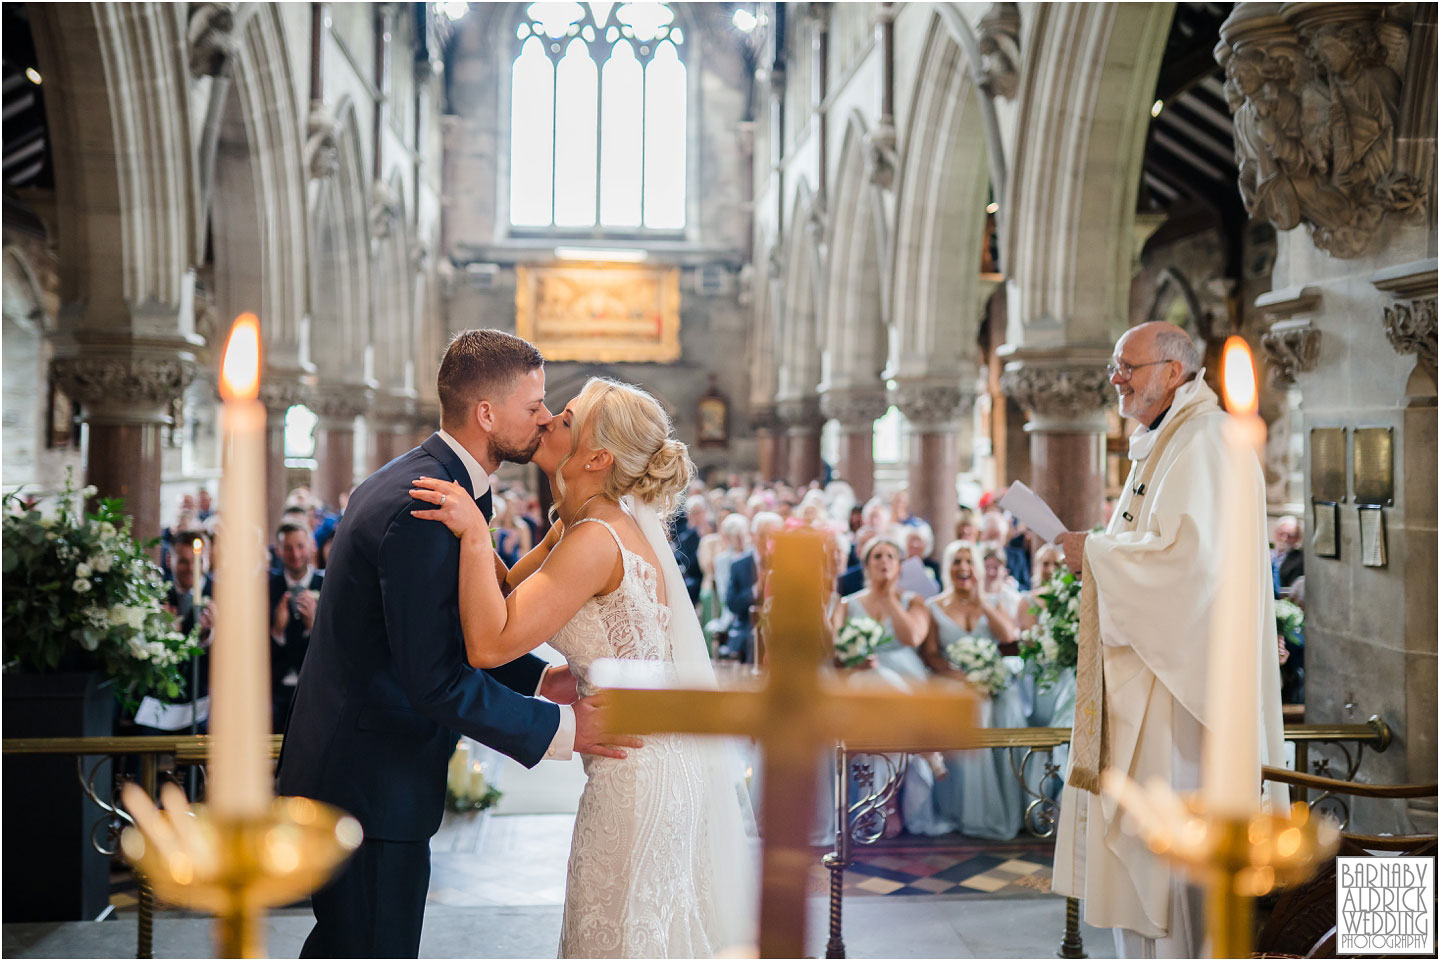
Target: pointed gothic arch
column 797, row 325
column 339, row 290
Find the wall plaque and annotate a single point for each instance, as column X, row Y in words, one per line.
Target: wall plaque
column 599, row 312
column 1327, row 464
column 1325, row 541
column 1372, row 535
column 1374, row 465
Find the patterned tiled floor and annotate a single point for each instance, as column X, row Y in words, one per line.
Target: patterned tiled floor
column 998, row 869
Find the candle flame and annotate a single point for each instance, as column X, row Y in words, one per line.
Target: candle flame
column 198, row 544
column 240, row 370
column 1238, row 377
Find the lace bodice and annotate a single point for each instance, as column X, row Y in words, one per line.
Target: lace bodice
column 629, row 623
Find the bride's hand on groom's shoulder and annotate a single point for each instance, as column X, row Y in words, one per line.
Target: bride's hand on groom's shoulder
column 454, row 507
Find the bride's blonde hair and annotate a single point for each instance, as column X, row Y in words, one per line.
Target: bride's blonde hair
column 648, row 463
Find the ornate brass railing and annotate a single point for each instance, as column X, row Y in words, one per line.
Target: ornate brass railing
column 862, row 821
column 159, row 759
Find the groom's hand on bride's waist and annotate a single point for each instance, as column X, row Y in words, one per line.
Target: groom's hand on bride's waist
column 558, row 685
column 590, row 734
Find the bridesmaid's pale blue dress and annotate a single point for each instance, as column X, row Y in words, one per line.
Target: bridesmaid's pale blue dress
column 981, row 794
column 1053, row 708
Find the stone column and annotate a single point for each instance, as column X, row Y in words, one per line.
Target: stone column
column 856, row 411
column 337, row 407
column 768, row 434
column 803, row 420
column 124, row 391
column 939, row 416
column 391, row 423
column 1066, row 396
column 278, row 393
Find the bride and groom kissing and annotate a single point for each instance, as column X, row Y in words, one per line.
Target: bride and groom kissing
column 422, row 635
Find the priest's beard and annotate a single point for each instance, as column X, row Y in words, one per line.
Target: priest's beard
column 1143, row 405
column 503, row 452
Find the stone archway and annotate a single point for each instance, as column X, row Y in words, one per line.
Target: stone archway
column 393, row 332
column 1086, row 87
column 764, row 352
column 856, row 340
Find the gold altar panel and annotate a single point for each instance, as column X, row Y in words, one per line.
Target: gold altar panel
column 600, row 313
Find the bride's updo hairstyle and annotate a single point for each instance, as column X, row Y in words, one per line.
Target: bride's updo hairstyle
column 648, row 463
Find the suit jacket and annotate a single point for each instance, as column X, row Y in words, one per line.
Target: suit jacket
column 288, row 657
column 385, row 686
column 687, row 556
column 740, row 593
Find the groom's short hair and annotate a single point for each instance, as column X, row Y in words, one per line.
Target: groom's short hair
column 481, row 364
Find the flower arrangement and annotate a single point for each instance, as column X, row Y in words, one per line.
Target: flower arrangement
column 1052, row 645
column 1290, row 621
column 978, row 658
column 857, row 639
column 80, row 594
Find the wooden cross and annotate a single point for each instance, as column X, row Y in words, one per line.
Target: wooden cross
column 801, row 709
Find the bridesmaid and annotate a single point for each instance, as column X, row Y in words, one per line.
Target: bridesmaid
column 981, row 793
column 904, row 619
column 1055, row 707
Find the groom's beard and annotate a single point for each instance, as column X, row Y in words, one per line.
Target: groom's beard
column 503, row 453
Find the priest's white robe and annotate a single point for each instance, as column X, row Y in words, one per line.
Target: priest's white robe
column 1156, row 585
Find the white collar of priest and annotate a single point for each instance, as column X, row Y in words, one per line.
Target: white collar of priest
column 1142, row 442
column 479, row 480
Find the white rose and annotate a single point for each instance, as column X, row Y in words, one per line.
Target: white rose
column 101, row 563
column 83, row 570
column 135, row 617
column 107, row 528
column 47, row 522
column 139, row 650
column 89, row 490
column 1074, row 605
column 80, row 586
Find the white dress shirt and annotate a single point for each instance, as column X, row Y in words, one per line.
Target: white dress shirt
column 562, row 745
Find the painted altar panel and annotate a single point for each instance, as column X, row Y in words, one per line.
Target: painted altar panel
column 601, row 314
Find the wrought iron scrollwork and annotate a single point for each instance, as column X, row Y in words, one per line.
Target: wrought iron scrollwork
column 868, row 814
column 1042, row 813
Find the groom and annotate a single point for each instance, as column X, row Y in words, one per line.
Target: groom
column 385, row 686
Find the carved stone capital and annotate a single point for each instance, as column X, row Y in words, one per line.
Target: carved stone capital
column 280, row 393
column 933, row 406
column 322, row 142
column 1292, row 347
column 764, row 419
column 1316, row 94
column 998, row 41
column 856, row 409
column 337, row 405
column 211, row 37
column 1060, row 396
column 880, row 156
column 124, row 388
column 800, row 415
column 392, row 409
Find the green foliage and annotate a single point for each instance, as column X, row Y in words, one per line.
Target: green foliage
column 1290, row 621
column 464, row 802
column 1052, row 645
column 81, row 594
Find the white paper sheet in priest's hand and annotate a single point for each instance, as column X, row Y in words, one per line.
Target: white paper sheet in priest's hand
column 1031, row 511
column 171, row 717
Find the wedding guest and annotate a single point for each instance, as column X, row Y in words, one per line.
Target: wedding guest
column 920, row 542
column 966, row 527
column 687, row 542
column 512, row 537
column 204, row 507
column 718, row 553
column 1000, row 588
column 746, row 590
column 1287, row 559
column 294, row 597
column 1045, row 563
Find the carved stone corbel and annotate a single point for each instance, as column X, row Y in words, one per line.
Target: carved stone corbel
column 1059, row 394
column 855, row 409
column 1410, row 320
column 322, row 142
column 210, row 34
column 1316, row 95
column 1292, row 344
column 384, row 211
column 880, row 157
column 999, row 44
column 931, row 406
column 122, row 387
column 800, row 415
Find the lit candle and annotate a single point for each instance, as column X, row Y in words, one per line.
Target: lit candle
column 1232, row 746
column 240, row 775
column 196, row 600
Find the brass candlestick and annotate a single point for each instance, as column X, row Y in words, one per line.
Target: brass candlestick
column 1237, row 858
column 236, row 869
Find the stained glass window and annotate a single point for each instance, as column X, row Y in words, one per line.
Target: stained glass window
column 598, row 117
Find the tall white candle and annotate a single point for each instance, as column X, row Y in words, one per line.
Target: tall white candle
column 1231, row 764
column 240, row 772
column 196, row 589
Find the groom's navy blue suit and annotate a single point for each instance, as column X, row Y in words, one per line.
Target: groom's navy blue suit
column 383, row 692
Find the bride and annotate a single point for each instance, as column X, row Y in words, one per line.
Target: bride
column 660, row 864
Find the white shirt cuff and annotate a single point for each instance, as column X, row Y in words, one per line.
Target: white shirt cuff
column 562, row 745
column 541, row 683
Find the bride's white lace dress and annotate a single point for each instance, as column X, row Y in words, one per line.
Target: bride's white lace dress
column 640, row 877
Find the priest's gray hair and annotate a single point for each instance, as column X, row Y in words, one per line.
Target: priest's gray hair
column 1176, row 345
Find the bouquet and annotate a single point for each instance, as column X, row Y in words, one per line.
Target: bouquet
column 1052, row 645
column 81, row 594
column 857, row 639
column 1290, row 621
column 978, row 658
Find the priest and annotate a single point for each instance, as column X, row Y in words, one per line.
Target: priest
column 1149, row 587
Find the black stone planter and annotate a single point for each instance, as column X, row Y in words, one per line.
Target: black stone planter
column 51, row 870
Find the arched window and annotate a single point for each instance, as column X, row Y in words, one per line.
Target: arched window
column 598, row 98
